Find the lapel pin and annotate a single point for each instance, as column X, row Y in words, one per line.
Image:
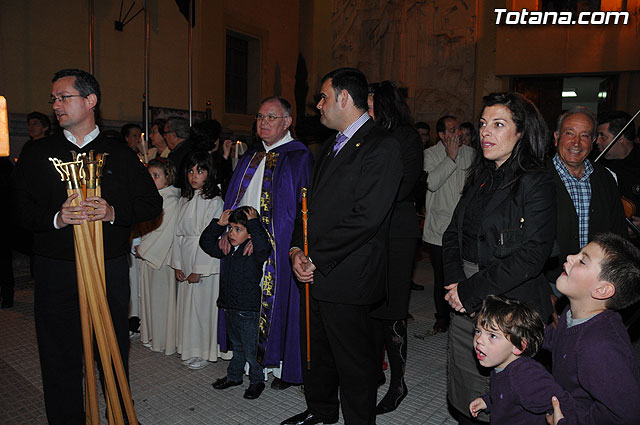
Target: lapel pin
column 357, row 145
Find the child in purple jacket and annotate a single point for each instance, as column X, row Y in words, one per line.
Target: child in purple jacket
column 507, row 334
column 593, row 358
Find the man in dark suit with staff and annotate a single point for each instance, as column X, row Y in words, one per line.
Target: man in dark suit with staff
column 354, row 183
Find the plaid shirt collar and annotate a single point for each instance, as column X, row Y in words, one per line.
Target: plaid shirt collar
column 564, row 172
column 580, row 193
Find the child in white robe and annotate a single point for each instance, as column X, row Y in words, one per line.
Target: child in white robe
column 158, row 289
column 134, row 284
column 196, row 272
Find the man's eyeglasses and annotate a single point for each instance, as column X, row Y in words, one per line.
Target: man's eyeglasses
column 63, row 98
column 269, row 118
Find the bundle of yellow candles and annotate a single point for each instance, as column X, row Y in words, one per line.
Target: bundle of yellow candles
column 82, row 176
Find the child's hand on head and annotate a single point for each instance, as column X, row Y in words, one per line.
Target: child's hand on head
column 224, row 218
column 252, row 213
column 476, row 406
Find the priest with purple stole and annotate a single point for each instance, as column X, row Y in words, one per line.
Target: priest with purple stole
column 269, row 177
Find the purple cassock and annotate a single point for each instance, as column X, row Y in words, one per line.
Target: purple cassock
column 287, row 170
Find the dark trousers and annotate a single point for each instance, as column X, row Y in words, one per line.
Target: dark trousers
column 442, row 307
column 242, row 328
column 59, row 332
column 344, row 362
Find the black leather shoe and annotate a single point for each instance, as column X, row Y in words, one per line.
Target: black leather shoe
column 254, row 391
column 224, row 383
column 390, row 402
column 307, row 418
column 279, row 384
column 416, row 287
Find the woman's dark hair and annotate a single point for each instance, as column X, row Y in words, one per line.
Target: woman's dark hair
column 203, row 161
column 167, row 168
column 389, row 107
column 530, row 149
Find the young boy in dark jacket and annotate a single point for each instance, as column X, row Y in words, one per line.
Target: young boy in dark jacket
column 240, row 291
column 593, row 359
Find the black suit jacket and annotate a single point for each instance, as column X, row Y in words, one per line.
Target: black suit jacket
column 404, row 221
column 605, row 215
column 350, row 201
column 39, row 194
column 519, row 275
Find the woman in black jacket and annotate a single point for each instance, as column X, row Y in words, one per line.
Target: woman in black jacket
column 501, row 233
column 388, row 109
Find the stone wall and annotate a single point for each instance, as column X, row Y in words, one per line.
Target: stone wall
column 426, row 46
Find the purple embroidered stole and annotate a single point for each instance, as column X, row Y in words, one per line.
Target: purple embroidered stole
column 248, row 175
column 269, row 278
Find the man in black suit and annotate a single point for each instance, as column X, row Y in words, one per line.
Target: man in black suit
column 623, row 159
column 354, row 183
column 587, row 199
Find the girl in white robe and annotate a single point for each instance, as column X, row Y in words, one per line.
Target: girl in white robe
column 158, row 286
column 196, row 272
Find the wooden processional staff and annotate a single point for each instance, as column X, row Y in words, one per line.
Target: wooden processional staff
column 306, row 285
column 94, row 310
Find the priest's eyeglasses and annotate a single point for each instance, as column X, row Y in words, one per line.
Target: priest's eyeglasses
column 63, row 98
column 269, row 118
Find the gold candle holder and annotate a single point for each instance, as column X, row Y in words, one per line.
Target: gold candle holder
column 94, row 309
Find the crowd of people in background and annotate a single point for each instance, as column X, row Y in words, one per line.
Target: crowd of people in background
column 533, row 244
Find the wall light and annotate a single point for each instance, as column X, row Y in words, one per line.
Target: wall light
column 4, row 128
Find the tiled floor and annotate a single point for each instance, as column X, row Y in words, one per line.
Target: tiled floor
column 165, row 392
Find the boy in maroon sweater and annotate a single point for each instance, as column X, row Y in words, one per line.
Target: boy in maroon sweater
column 507, row 334
column 593, row 358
